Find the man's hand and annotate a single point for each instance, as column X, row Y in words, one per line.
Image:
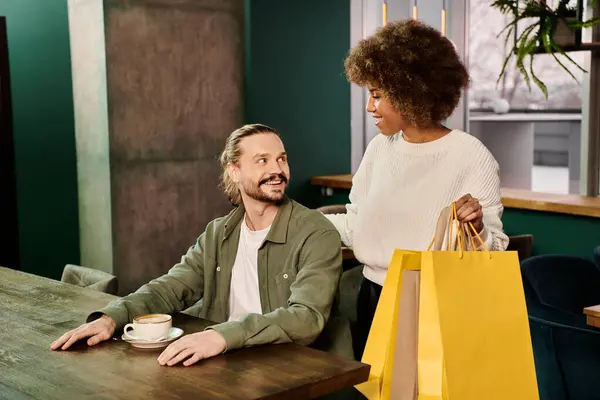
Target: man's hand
column 194, row 347
column 97, row 331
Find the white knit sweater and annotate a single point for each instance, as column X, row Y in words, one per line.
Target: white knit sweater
column 400, row 189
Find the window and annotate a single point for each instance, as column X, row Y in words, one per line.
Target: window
column 486, row 55
column 541, row 148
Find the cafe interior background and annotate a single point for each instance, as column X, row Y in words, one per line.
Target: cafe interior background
column 113, row 114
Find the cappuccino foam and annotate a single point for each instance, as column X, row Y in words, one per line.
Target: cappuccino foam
column 152, row 319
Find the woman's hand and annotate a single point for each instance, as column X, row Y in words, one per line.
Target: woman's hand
column 468, row 209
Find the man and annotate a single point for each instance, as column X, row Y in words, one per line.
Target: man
column 267, row 273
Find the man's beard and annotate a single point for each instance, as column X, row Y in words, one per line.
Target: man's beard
column 256, row 192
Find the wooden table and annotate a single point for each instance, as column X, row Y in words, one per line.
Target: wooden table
column 592, row 316
column 34, row 311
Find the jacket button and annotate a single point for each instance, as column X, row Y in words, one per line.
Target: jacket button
column 285, row 276
column 218, row 269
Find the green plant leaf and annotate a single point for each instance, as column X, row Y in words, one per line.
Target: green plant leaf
column 523, row 37
column 512, row 24
column 558, row 49
column 526, row 43
column 526, row 47
column 503, row 71
column 506, row 5
column 537, row 81
column 546, row 41
column 561, row 51
column 507, row 59
column 583, row 24
column 521, row 68
column 527, row 50
column 508, row 36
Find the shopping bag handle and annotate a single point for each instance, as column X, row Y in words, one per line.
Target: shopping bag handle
column 474, row 232
column 466, row 229
column 450, row 245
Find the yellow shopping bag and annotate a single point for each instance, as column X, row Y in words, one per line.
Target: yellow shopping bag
column 380, row 350
column 474, row 340
column 473, row 331
column 381, row 343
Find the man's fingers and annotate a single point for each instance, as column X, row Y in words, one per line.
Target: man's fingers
column 99, row 337
column 180, row 357
column 171, row 351
column 75, row 337
column 61, row 340
column 97, row 331
column 94, row 340
column 192, row 360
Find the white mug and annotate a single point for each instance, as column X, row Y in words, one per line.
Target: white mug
column 151, row 327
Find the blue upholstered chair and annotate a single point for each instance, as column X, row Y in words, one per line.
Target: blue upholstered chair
column 566, row 349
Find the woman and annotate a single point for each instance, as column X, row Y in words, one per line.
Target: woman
column 416, row 166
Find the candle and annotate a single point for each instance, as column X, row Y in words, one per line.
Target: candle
column 443, row 18
column 443, row 22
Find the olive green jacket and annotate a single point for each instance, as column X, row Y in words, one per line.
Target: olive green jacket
column 299, row 268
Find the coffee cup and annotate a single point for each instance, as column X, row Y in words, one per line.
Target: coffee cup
column 151, row 327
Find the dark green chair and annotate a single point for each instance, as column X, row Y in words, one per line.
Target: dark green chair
column 522, row 244
column 566, row 350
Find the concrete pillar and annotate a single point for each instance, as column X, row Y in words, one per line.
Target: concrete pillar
column 158, row 86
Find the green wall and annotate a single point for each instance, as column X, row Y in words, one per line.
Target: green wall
column 295, row 83
column 38, row 41
column 555, row 233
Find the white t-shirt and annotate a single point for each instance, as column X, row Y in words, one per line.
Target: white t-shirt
column 244, row 294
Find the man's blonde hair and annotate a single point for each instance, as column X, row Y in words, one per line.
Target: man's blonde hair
column 231, row 155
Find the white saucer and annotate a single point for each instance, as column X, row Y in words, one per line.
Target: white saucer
column 174, row 333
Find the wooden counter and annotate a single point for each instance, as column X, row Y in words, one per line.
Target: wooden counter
column 511, row 198
column 333, row 181
column 592, row 316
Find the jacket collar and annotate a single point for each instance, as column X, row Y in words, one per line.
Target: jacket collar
column 279, row 229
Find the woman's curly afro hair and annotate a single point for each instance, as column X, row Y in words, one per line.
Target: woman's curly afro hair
column 417, row 68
